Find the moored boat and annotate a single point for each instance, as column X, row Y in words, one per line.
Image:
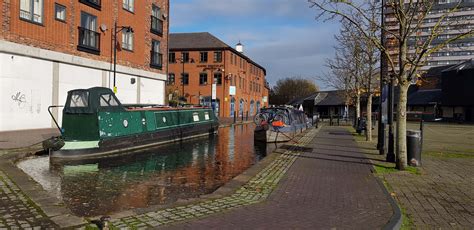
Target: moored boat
column 96, row 125
column 279, row 124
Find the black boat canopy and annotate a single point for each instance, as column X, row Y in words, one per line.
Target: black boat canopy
column 92, row 100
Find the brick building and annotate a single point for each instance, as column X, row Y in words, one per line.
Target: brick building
column 200, row 60
column 50, row 47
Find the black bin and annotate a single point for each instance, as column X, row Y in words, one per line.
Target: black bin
column 414, row 143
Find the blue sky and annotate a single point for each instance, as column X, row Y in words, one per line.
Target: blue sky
column 280, row 35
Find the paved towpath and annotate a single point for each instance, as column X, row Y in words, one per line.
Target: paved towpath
column 329, row 186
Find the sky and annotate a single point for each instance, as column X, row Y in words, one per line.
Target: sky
column 280, row 35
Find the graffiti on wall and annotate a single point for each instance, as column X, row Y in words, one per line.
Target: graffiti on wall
column 19, row 98
column 25, row 101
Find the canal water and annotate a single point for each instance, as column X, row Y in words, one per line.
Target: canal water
column 157, row 177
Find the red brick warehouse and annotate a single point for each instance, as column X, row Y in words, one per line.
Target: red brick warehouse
column 69, row 44
column 200, row 60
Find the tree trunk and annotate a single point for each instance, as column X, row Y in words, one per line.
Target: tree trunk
column 368, row 133
column 357, row 106
column 401, row 144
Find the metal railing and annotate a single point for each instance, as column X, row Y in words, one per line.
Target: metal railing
column 89, row 39
column 156, row 25
column 92, row 3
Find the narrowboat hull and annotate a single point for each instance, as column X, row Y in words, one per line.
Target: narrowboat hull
column 96, row 125
column 132, row 144
column 272, row 135
column 279, row 124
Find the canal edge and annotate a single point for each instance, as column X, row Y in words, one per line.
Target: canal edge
column 255, row 190
column 49, row 206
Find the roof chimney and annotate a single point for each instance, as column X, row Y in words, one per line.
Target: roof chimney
column 239, row 47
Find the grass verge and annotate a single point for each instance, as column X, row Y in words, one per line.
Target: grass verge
column 447, row 154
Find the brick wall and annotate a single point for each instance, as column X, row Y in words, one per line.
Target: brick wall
column 62, row 36
column 232, row 70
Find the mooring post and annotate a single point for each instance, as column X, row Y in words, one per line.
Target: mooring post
column 242, row 116
column 247, row 116
column 235, row 116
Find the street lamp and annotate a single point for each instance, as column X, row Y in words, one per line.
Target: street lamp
column 182, row 71
column 381, row 129
column 118, row 29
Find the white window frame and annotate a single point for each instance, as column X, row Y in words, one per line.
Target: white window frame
column 128, row 5
column 127, row 40
column 63, row 13
column 32, row 10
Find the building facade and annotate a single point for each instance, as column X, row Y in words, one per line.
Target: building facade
column 50, row 47
column 452, row 24
column 201, row 65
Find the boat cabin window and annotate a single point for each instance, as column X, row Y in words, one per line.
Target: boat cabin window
column 107, row 100
column 196, row 116
column 79, row 99
column 206, row 116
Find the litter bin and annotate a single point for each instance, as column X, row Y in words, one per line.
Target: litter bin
column 361, row 125
column 414, row 147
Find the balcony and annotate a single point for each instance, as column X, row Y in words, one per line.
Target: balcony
column 156, row 25
column 89, row 41
column 92, row 3
column 156, row 60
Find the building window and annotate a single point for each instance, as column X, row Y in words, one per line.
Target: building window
column 89, row 39
column 127, row 40
column 172, row 57
column 203, row 78
column 32, row 10
column 185, row 78
column 128, row 5
column 185, row 57
column 218, row 78
column 92, row 3
column 203, row 56
column 156, row 56
column 59, row 12
column 171, row 79
column 218, row 56
column 156, row 22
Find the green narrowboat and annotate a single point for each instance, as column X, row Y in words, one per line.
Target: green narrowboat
column 96, row 125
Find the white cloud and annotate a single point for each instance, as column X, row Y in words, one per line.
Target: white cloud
column 281, row 35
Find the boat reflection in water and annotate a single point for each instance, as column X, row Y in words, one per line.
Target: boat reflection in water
column 159, row 176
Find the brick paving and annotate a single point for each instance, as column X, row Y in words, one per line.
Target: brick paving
column 17, row 211
column 441, row 196
column 25, row 138
column 330, row 185
column 256, row 190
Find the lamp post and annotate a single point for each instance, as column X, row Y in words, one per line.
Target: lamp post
column 381, row 128
column 391, row 135
column 118, row 29
column 183, row 61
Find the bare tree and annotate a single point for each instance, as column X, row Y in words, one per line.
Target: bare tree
column 353, row 68
column 408, row 45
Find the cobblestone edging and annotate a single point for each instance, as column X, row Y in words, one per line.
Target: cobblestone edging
column 17, row 211
column 254, row 191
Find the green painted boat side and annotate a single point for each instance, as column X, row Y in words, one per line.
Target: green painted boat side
column 95, row 119
column 80, row 127
column 119, row 124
